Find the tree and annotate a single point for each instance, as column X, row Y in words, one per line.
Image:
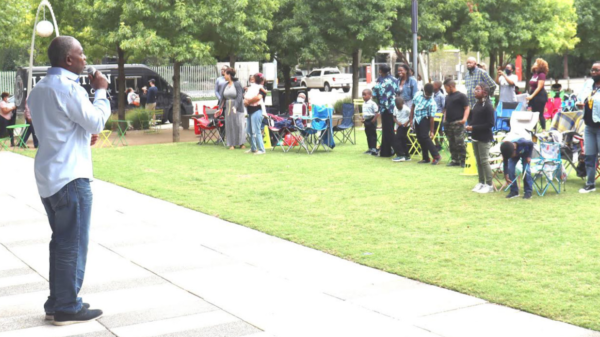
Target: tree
column 588, row 17
column 293, row 39
column 241, row 29
column 15, row 17
column 354, row 27
column 172, row 28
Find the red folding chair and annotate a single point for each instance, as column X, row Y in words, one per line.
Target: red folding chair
column 209, row 130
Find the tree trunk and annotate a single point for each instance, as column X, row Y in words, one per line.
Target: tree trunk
column 176, row 101
column 501, row 60
column 529, row 59
column 566, row 65
column 121, row 97
column 232, row 59
column 287, row 80
column 492, row 65
column 355, row 74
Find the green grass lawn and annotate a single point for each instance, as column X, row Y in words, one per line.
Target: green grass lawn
column 418, row 221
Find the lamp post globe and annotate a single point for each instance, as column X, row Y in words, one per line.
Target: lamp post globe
column 44, row 28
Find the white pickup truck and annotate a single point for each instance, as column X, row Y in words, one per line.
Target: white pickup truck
column 326, row 79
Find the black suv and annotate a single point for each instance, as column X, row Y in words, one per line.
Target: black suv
column 136, row 77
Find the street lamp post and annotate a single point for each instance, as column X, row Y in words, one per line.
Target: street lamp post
column 44, row 29
column 415, row 29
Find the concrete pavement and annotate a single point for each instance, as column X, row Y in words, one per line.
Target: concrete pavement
column 157, row 269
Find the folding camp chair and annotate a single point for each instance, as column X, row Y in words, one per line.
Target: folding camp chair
column 565, row 128
column 414, row 148
column 210, row 130
column 496, row 164
column 438, row 137
column 503, row 114
column 346, row 126
column 315, row 132
column 547, row 170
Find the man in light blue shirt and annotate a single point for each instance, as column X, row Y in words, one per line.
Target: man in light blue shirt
column 220, row 83
column 67, row 124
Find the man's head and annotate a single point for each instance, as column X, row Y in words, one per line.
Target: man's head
column 437, row 85
column 508, row 150
column 595, row 72
column 301, row 98
column 5, row 96
column 223, row 68
column 428, row 89
column 471, row 63
column 66, row 52
column 367, row 94
column 509, row 69
column 450, row 86
column 399, row 103
column 152, row 82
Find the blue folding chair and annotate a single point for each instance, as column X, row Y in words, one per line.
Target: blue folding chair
column 346, row 126
column 319, row 132
column 504, row 111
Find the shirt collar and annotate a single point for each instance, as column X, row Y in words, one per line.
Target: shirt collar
column 63, row 72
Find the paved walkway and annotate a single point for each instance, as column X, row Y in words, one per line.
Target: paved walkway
column 157, row 269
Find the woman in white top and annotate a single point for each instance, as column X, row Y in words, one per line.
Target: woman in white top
column 507, row 82
column 132, row 97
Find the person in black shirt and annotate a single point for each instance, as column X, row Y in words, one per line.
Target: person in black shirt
column 481, row 121
column 456, row 112
column 591, row 116
column 151, row 98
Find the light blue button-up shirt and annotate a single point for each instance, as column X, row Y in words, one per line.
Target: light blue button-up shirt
column 64, row 120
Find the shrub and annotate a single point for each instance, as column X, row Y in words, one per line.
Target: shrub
column 337, row 106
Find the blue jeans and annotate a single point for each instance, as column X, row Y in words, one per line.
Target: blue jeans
column 254, row 131
column 512, row 164
column 69, row 212
column 592, row 146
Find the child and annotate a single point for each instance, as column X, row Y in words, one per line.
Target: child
column 422, row 113
column 369, row 117
column 481, row 122
column 512, row 151
column 401, row 117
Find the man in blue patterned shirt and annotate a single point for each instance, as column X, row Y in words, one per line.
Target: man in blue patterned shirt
column 385, row 91
column 474, row 77
column 421, row 118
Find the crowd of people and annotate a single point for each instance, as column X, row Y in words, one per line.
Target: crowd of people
column 402, row 106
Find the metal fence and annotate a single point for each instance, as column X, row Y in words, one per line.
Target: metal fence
column 7, row 81
column 196, row 81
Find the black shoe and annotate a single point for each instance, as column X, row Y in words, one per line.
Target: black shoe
column 424, row 162
column 512, row 194
column 50, row 316
column 84, row 315
column 436, row 160
column 368, row 152
column 452, row 164
column 527, row 195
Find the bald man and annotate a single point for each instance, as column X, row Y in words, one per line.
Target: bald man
column 67, row 124
column 474, row 77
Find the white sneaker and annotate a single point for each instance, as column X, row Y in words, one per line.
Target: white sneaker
column 477, row 187
column 259, row 152
column 486, row 189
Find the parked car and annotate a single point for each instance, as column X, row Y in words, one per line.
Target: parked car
column 326, row 79
column 136, row 76
column 297, row 78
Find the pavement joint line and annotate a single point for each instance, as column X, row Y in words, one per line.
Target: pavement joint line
column 461, row 308
column 25, row 263
column 177, row 286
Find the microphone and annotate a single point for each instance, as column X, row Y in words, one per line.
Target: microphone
column 91, row 71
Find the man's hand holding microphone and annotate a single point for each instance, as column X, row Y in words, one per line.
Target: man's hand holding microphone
column 98, row 81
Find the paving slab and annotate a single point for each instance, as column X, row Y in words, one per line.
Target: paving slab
column 202, row 276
